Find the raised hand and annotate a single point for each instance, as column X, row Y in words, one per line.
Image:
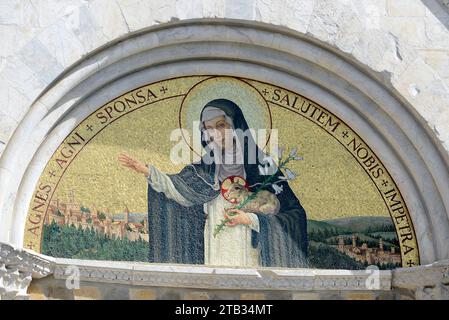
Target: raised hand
column 133, row 164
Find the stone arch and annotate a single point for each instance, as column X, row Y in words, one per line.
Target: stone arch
column 356, row 94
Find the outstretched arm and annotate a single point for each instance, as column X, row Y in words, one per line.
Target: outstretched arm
column 158, row 180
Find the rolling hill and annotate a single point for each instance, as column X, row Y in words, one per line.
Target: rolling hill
column 361, row 224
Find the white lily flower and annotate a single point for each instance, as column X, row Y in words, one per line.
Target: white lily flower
column 283, row 178
column 277, row 189
column 290, row 174
column 299, row 158
column 270, row 166
column 269, row 160
column 293, row 152
column 279, row 151
column 263, row 170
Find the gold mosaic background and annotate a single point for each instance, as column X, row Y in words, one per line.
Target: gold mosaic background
column 332, row 183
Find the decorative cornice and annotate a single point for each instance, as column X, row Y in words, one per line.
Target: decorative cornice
column 19, row 266
column 219, row 278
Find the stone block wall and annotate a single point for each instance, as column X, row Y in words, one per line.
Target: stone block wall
column 406, row 40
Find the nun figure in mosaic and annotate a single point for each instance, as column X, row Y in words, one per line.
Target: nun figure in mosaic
column 184, row 208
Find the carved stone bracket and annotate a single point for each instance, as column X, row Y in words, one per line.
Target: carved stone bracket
column 17, row 268
column 445, row 3
column 428, row 282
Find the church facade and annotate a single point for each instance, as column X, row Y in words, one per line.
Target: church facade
column 110, row 186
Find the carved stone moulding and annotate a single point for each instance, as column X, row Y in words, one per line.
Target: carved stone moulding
column 17, row 268
column 220, row 278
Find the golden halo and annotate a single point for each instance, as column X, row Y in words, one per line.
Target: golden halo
column 254, row 107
